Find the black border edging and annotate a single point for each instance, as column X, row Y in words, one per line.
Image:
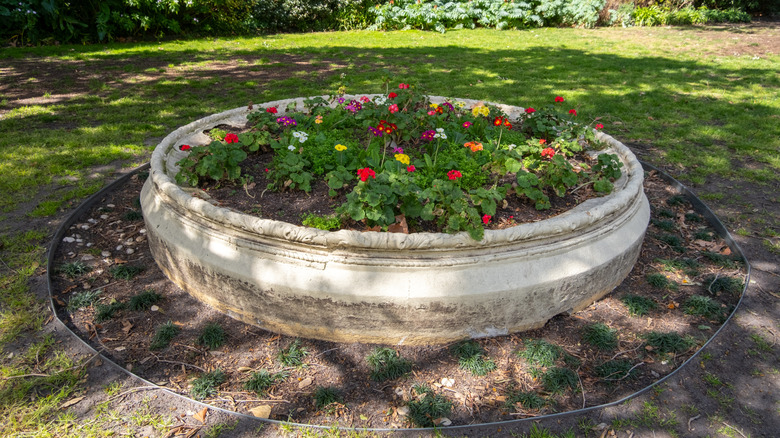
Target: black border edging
column 698, row 205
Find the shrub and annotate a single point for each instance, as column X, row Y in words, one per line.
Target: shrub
column 104, row 312
column 471, row 357
column 427, row 408
column 74, row 269
column 83, row 299
column 145, row 300
column 293, row 355
column 387, row 364
column 212, row 336
column 616, row 370
column 260, row 381
column 540, row 352
column 600, row 336
column 125, row 272
column 668, row 342
column 557, row 379
column 529, row 400
column 724, row 283
column 704, row 306
column 638, row 305
column 164, row 335
column 206, row 385
column 326, row 396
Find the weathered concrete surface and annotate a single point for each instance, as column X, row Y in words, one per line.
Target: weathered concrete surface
column 387, row 287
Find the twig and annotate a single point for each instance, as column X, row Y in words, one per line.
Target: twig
column 582, row 388
column 581, row 186
column 692, row 419
column 627, row 372
column 737, row 430
column 81, row 365
column 132, row 390
column 709, row 288
column 179, row 363
column 522, row 413
column 262, row 401
column 626, row 351
column 326, row 351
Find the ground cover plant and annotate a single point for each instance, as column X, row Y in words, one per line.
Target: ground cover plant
column 699, row 102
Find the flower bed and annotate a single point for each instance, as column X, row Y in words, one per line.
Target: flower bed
column 394, row 287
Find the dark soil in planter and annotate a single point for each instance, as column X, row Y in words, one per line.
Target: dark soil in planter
column 682, row 258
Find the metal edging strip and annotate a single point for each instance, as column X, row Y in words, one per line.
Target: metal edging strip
column 698, row 205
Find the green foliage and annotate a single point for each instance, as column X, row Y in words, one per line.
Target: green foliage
column 206, row 385
column 293, row 355
column 144, row 301
column 676, row 201
column 387, row 364
column 606, row 170
column 325, row 396
column 687, row 265
column 668, row 342
column 720, row 259
column 322, row 222
column 133, row 215
column 212, row 336
column 427, row 407
column 104, row 312
column 638, row 305
column 79, row 300
column 723, row 283
column 557, row 379
column 74, row 269
column 164, row 335
column 673, row 241
column 664, row 225
column 704, row 306
column 218, row 161
column 600, row 336
column 529, row 400
column 616, row 370
column 260, row 381
column 471, row 357
column 125, row 272
column 655, row 15
column 540, row 352
column 660, row 281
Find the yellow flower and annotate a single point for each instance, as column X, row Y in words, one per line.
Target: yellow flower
column 340, row 147
column 485, row 111
column 460, row 104
column 318, row 120
column 403, row 158
column 434, row 105
column 477, row 110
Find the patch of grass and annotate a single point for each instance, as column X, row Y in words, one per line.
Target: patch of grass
column 673, row 241
column 600, row 336
column 703, row 235
column 259, row 382
column 387, row 364
column 80, row 300
column 614, row 370
column 74, row 269
column 427, row 407
column 668, row 342
column 540, row 352
column 693, row 217
column 206, row 385
column 133, row 215
column 322, row 222
column 529, row 400
column 720, row 259
column 144, row 301
column 471, row 357
column 688, row 266
column 125, row 272
column 212, row 336
column 665, row 212
column 558, row 379
column 761, row 343
column 651, row 416
column 723, row 283
column 164, row 335
column 104, row 312
column 216, row 430
column 660, row 281
column 704, row 306
column 676, row 201
column 664, row 225
column 325, row 396
column 638, row 305
column 293, row 355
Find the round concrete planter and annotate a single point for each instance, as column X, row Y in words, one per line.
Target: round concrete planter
column 421, row 288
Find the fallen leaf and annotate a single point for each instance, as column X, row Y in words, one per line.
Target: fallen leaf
column 305, row 382
column 120, row 348
column 127, row 326
column 71, row 402
column 501, row 398
column 374, row 228
column 726, row 251
column 201, row 416
column 399, row 226
column 245, row 369
column 262, row 411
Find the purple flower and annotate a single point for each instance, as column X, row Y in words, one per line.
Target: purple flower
column 341, row 100
column 428, row 135
column 286, row 121
column 376, row 131
column 448, row 106
column 397, row 150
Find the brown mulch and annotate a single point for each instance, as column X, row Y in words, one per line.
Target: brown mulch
column 112, row 234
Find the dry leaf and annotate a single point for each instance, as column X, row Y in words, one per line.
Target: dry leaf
column 726, row 251
column 305, row 382
column 262, row 411
column 201, row 416
column 374, row 228
column 245, row 369
column 71, row 402
column 127, row 326
column 120, row 348
column 399, row 226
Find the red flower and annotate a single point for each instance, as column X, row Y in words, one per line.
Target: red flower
column 454, row 174
column 599, row 126
column 411, row 168
column 266, row 169
column 530, row 110
column 366, row 173
column 548, row 153
column 497, row 121
column 271, row 110
column 467, row 124
column 185, row 147
column 364, row 99
column 542, row 141
column 573, row 112
column 403, row 86
column 393, row 108
column 231, row 138
column 392, row 95
column 486, row 219
column 507, row 124
column 558, row 99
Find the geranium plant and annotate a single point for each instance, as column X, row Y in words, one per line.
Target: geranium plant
column 400, row 156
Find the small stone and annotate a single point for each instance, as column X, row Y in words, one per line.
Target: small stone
column 110, row 205
column 103, row 216
column 89, row 244
column 87, row 257
column 142, row 231
column 262, row 411
column 119, row 247
column 305, row 382
column 403, row 410
column 447, row 382
column 105, row 254
column 399, row 391
column 68, row 239
column 79, row 240
column 92, row 221
column 129, row 251
column 601, row 426
column 140, row 239
column 444, row 421
column 86, row 285
column 656, row 375
column 85, row 227
column 155, row 308
column 129, row 242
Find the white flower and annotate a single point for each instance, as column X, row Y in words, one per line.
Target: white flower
column 460, row 104
column 511, row 146
column 440, row 134
column 291, row 148
column 380, row 100
column 301, row 136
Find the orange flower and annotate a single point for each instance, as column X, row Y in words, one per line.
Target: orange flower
column 473, row 145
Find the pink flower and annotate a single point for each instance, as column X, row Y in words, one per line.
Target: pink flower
column 599, row 126
column 366, row 173
column 530, row 110
column 231, row 138
column 573, row 112
column 392, row 95
column 467, row 124
column 454, row 174
column 266, row 170
column 486, row 219
column 432, row 112
column 403, row 86
column 185, row 147
column 411, row 168
column 393, row 108
column 272, row 110
column 364, row 99
column 548, row 153
column 558, row 99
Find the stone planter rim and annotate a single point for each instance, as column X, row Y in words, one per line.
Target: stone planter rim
column 580, row 217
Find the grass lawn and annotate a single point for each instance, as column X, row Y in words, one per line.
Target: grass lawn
column 701, row 102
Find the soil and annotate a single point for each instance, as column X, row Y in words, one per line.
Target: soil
column 112, row 234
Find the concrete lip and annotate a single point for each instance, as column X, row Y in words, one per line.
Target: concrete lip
column 388, row 288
